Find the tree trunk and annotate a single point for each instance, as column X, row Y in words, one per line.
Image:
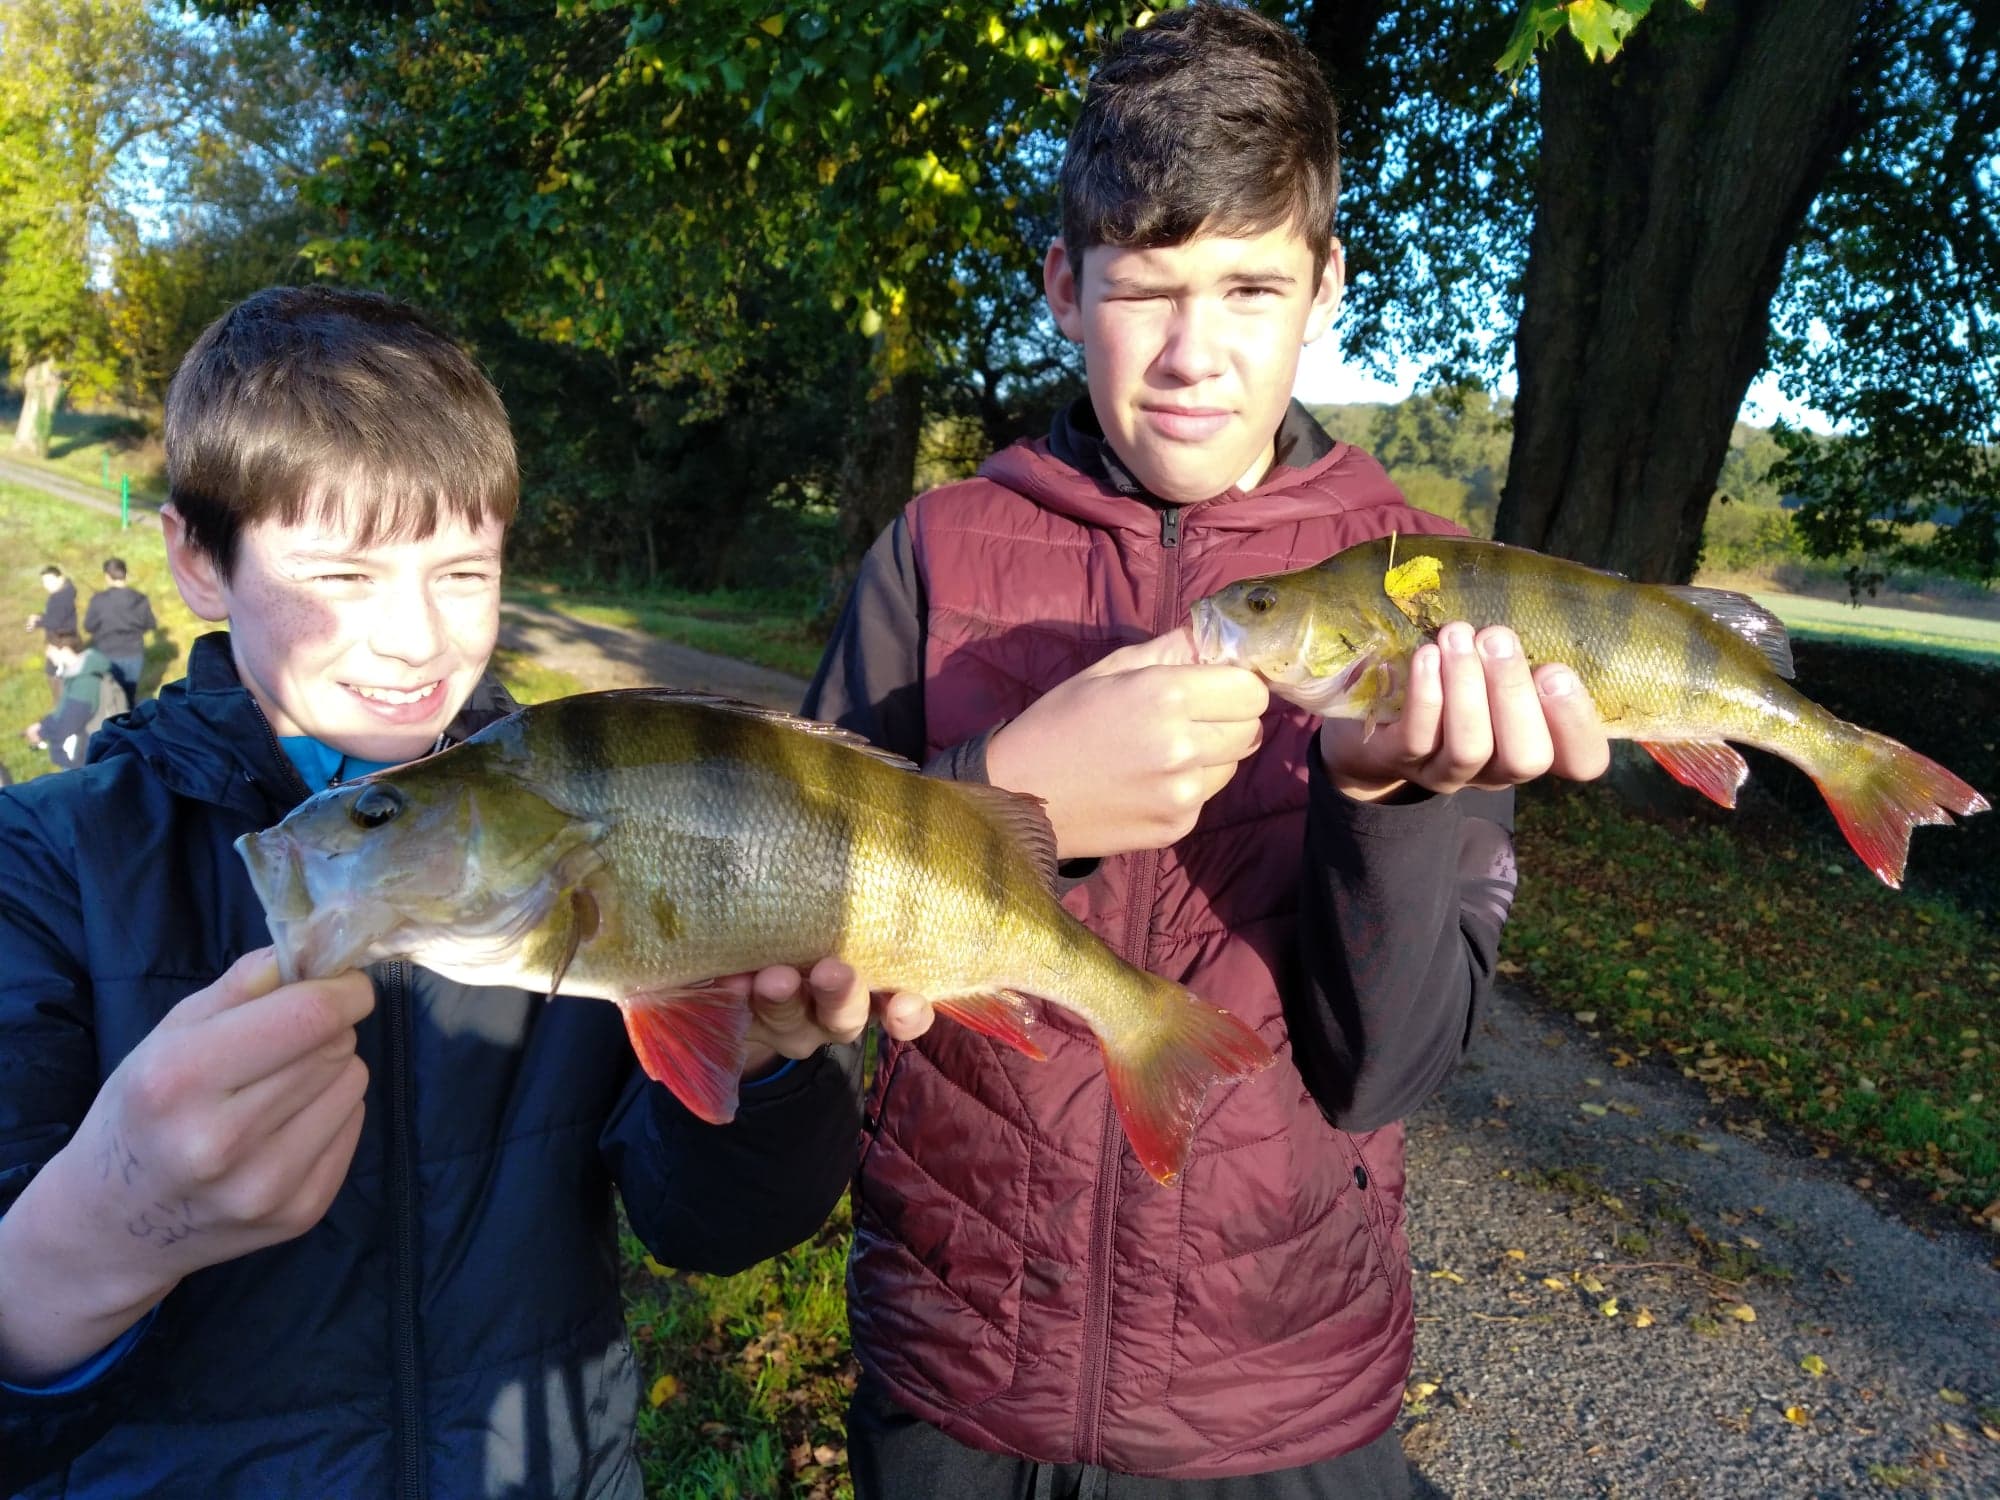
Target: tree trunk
column 878, row 470
column 41, row 394
column 1672, row 184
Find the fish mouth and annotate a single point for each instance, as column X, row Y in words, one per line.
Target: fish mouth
column 312, row 940
column 1217, row 638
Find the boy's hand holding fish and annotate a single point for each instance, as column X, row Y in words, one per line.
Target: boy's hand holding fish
column 1474, row 715
column 785, row 1023
column 227, row 1130
column 1125, row 754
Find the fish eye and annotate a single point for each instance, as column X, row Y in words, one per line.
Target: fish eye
column 377, row 804
column 1261, row 599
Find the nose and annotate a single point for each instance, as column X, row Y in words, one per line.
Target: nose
column 1193, row 348
column 409, row 627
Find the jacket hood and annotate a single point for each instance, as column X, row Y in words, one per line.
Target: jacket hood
column 205, row 736
column 1343, row 479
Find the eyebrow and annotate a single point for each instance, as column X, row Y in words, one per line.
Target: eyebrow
column 1128, row 284
column 335, row 555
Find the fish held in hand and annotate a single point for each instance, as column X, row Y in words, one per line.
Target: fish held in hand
column 633, row 845
column 1681, row 670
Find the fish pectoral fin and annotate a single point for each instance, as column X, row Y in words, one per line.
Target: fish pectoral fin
column 1004, row 1015
column 692, row 1040
column 582, row 921
column 1709, row 766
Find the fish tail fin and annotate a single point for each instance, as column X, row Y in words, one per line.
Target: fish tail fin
column 1879, row 790
column 694, row 1041
column 1159, row 1076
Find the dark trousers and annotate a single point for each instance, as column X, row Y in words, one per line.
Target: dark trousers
column 128, row 670
column 893, row 1455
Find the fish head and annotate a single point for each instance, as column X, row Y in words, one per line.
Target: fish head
column 1330, row 649
column 412, row 862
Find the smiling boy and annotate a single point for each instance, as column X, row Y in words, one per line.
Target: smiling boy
column 1034, row 1315
column 353, row 1236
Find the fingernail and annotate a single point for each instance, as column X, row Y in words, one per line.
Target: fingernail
column 1456, row 638
column 1558, row 684
column 1498, row 646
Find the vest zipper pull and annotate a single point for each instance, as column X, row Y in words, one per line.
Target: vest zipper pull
column 1170, row 526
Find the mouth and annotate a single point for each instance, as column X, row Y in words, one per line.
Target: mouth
column 1187, row 423
column 1217, row 638
column 398, row 705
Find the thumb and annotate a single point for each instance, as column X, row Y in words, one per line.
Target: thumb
column 1174, row 649
column 253, row 975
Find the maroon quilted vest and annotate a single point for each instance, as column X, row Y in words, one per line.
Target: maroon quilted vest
column 1017, row 1278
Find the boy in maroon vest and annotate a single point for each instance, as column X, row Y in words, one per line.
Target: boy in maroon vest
column 1034, row 1314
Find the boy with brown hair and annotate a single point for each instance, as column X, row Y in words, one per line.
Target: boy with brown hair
column 351, row 1236
column 1032, row 1313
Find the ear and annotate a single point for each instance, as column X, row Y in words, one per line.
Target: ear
column 195, row 573
column 1059, row 284
column 1326, row 296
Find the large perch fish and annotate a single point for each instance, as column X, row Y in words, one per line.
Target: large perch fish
column 634, row 845
column 1680, row 670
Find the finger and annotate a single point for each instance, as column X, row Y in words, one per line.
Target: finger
column 253, row 975
column 1581, row 751
column 907, row 1017
column 1210, row 694
column 776, row 984
column 1415, row 732
column 264, row 1106
column 778, row 1003
column 1173, row 649
column 1466, row 726
column 302, row 1150
column 1221, row 744
column 1521, row 746
column 316, row 1193
column 840, row 1001
column 254, row 1041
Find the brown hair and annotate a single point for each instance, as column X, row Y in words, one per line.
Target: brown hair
column 66, row 640
column 1211, row 119
column 344, row 406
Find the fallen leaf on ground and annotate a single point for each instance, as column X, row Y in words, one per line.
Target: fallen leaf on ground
column 1813, row 1365
column 1742, row 1312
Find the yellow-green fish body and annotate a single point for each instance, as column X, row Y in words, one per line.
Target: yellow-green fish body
column 632, row 846
column 1680, row 670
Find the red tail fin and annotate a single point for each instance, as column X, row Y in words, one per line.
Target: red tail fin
column 693, row 1041
column 1882, row 792
column 1158, row 1078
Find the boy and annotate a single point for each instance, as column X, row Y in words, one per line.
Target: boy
column 57, row 616
column 1032, row 1313
column 117, row 621
column 91, row 694
column 352, row 1236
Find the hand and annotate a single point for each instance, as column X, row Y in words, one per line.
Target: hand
column 228, row 1129
column 1125, row 753
column 794, row 1014
column 1473, row 715
column 34, row 622
column 33, row 735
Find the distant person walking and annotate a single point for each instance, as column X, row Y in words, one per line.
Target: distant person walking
column 90, row 695
column 116, row 622
column 58, row 618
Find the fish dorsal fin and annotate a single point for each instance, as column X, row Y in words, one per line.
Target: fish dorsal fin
column 833, row 732
column 1746, row 617
column 1022, row 816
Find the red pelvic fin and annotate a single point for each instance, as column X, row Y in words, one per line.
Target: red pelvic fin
column 1003, row 1015
column 1158, row 1080
column 1890, row 790
column 693, row 1041
column 1709, row 766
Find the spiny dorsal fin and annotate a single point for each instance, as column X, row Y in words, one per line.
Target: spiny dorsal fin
column 678, row 697
column 1746, row 617
column 1022, row 816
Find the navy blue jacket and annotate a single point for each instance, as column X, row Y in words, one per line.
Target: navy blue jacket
column 452, row 1326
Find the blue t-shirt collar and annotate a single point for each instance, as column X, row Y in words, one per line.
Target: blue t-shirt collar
column 323, row 766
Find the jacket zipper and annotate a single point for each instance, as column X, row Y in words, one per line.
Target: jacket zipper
column 409, row 1418
column 1136, row 949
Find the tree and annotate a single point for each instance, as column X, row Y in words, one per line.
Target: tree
column 108, row 108
column 1634, row 223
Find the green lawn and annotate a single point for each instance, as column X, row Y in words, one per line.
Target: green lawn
column 99, row 449
column 773, row 632
column 1966, row 637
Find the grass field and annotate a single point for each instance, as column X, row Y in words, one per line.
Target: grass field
column 1965, row 637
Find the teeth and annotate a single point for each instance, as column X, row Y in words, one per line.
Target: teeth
column 394, row 695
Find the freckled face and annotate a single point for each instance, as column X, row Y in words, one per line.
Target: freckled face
column 369, row 650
